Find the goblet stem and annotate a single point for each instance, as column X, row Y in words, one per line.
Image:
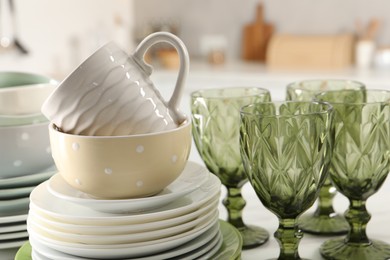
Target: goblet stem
column 234, row 203
column 252, row 236
column 325, row 200
column 288, row 236
column 357, row 217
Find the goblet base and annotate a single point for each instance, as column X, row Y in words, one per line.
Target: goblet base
column 339, row 249
column 324, row 225
column 253, row 236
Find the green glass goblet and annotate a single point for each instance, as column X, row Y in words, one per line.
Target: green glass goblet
column 286, row 150
column 216, row 121
column 324, row 220
column 359, row 166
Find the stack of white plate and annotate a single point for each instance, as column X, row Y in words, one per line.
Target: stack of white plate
column 180, row 222
column 14, row 204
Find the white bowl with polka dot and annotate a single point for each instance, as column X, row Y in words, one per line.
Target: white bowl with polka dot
column 114, row 167
column 24, row 150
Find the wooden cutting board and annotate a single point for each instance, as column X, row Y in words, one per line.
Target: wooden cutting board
column 256, row 36
column 310, row 51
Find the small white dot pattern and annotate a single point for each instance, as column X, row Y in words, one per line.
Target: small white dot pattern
column 174, row 158
column 108, row 170
column 17, row 163
column 75, row 146
column 140, row 149
column 25, row 136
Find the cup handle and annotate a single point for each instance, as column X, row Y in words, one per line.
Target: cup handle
column 138, row 55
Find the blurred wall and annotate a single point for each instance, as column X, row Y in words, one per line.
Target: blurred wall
column 198, row 18
column 60, row 34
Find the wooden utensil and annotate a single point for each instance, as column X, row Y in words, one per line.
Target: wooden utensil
column 256, row 36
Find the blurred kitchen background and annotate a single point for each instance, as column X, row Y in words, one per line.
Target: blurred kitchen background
column 54, row 36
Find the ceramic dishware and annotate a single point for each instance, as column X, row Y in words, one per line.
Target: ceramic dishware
column 111, row 93
column 19, row 78
column 31, row 179
column 127, row 250
column 24, row 100
column 324, row 221
column 45, row 204
column 113, row 229
column 13, row 243
column 24, row 150
column 23, row 93
column 119, row 167
column 191, row 178
column 130, row 237
column 222, row 243
column 215, row 117
column 15, row 193
column 189, row 249
column 19, row 120
column 286, row 150
column 359, row 166
column 13, row 227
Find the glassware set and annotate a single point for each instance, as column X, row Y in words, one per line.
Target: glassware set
column 324, row 220
column 327, row 135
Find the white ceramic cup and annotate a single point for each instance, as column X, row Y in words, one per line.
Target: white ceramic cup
column 111, row 94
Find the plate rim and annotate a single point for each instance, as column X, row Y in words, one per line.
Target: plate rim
column 132, row 204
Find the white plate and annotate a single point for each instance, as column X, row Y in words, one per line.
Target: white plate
column 13, row 228
column 14, row 205
column 37, row 256
column 192, row 177
column 207, row 250
column 123, row 250
column 13, row 235
column 28, row 180
column 123, row 229
column 10, row 218
column 42, row 201
column 13, row 243
column 41, row 234
column 123, row 238
column 14, row 193
column 192, row 246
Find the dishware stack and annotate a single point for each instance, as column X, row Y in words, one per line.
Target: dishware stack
column 124, row 187
column 181, row 221
column 25, row 159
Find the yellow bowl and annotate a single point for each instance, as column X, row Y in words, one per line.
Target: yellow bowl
column 114, row 167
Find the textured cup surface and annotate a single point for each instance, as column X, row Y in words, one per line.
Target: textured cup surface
column 121, row 166
column 110, row 94
column 24, row 149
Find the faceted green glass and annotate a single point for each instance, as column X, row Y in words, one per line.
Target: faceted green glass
column 216, row 121
column 324, row 220
column 359, row 166
column 305, row 90
column 286, row 150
